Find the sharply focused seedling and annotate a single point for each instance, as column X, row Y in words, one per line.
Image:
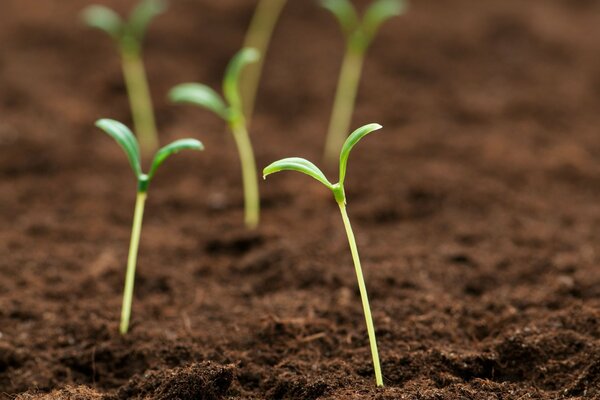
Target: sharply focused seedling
column 232, row 112
column 258, row 37
column 128, row 35
column 308, row 168
column 359, row 34
column 127, row 141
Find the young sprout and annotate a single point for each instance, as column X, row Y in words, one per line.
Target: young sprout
column 258, row 37
column 128, row 35
column 359, row 34
column 308, row 168
column 127, row 141
column 232, row 112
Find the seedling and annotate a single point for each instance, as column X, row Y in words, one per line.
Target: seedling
column 128, row 36
column 127, row 141
column 359, row 35
column 258, row 37
column 232, row 112
column 308, row 168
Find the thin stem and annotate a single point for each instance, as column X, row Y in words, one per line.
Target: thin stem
column 249, row 175
column 363, row 294
column 140, row 100
column 131, row 261
column 343, row 106
column 258, row 36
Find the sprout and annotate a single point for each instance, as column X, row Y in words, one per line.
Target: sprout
column 128, row 36
column 232, row 112
column 308, row 168
column 258, row 37
column 127, row 141
column 359, row 35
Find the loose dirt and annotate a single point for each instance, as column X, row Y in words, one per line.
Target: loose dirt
column 476, row 210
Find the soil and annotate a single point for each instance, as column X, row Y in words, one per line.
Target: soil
column 476, row 210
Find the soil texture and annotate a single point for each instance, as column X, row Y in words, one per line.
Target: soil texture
column 476, row 210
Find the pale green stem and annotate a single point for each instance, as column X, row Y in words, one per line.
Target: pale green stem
column 363, row 294
column 249, row 175
column 258, row 36
column 140, row 101
column 131, row 261
column 343, row 106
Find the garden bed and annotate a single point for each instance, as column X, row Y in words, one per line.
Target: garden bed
column 476, row 208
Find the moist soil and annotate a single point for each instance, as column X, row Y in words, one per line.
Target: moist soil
column 476, row 210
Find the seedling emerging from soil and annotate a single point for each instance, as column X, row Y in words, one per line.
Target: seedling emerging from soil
column 232, row 112
column 359, row 35
column 258, row 37
column 128, row 35
column 308, row 168
column 127, row 141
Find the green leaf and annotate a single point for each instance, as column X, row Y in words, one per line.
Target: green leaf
column 142, row 15
column 103, row 18
column 200, row 95
column 345, row 13
column 379, row 12
column 349, row 144
column 231, row 81
column 299, row 165
column 125, row 139
column 172, row 148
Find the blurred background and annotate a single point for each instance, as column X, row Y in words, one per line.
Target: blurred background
column 476, row 207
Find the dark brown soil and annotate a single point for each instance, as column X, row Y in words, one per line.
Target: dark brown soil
column 477, row 210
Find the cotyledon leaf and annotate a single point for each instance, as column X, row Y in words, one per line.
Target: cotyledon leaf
column 172, row 148
column 300, row 165
column 349, row 144
column 231, row 80
column 125, row 139
column 142, row 15
column 103, row 18
column 200, row 95
column 379, row 12
column 345, row 13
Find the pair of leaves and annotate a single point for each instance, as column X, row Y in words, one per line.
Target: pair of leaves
column 310, row 169
column 203, row 96
column 135, row 27
column 376, row 14
column 125, row 138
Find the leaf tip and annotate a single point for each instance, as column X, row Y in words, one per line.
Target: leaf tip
column 102, row 122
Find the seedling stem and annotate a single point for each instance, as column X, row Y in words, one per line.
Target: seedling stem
column 140, row 100
column 258, row 36
column 345, row 99
column 132, row 261
column 249, row 178
column 363, row 294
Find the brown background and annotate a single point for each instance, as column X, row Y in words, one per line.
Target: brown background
column 476, row 209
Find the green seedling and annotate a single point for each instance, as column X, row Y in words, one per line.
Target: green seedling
column 128, row 35
column 231, row 110
column 258, row 37
column 308, row 168
column 125, row 138
column 359, row 35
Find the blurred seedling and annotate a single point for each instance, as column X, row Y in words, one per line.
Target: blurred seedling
column 128, row 36
column 125, row 138
column 308, row 168
column 359, row 35
column 231, row 110
column 258, row 37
